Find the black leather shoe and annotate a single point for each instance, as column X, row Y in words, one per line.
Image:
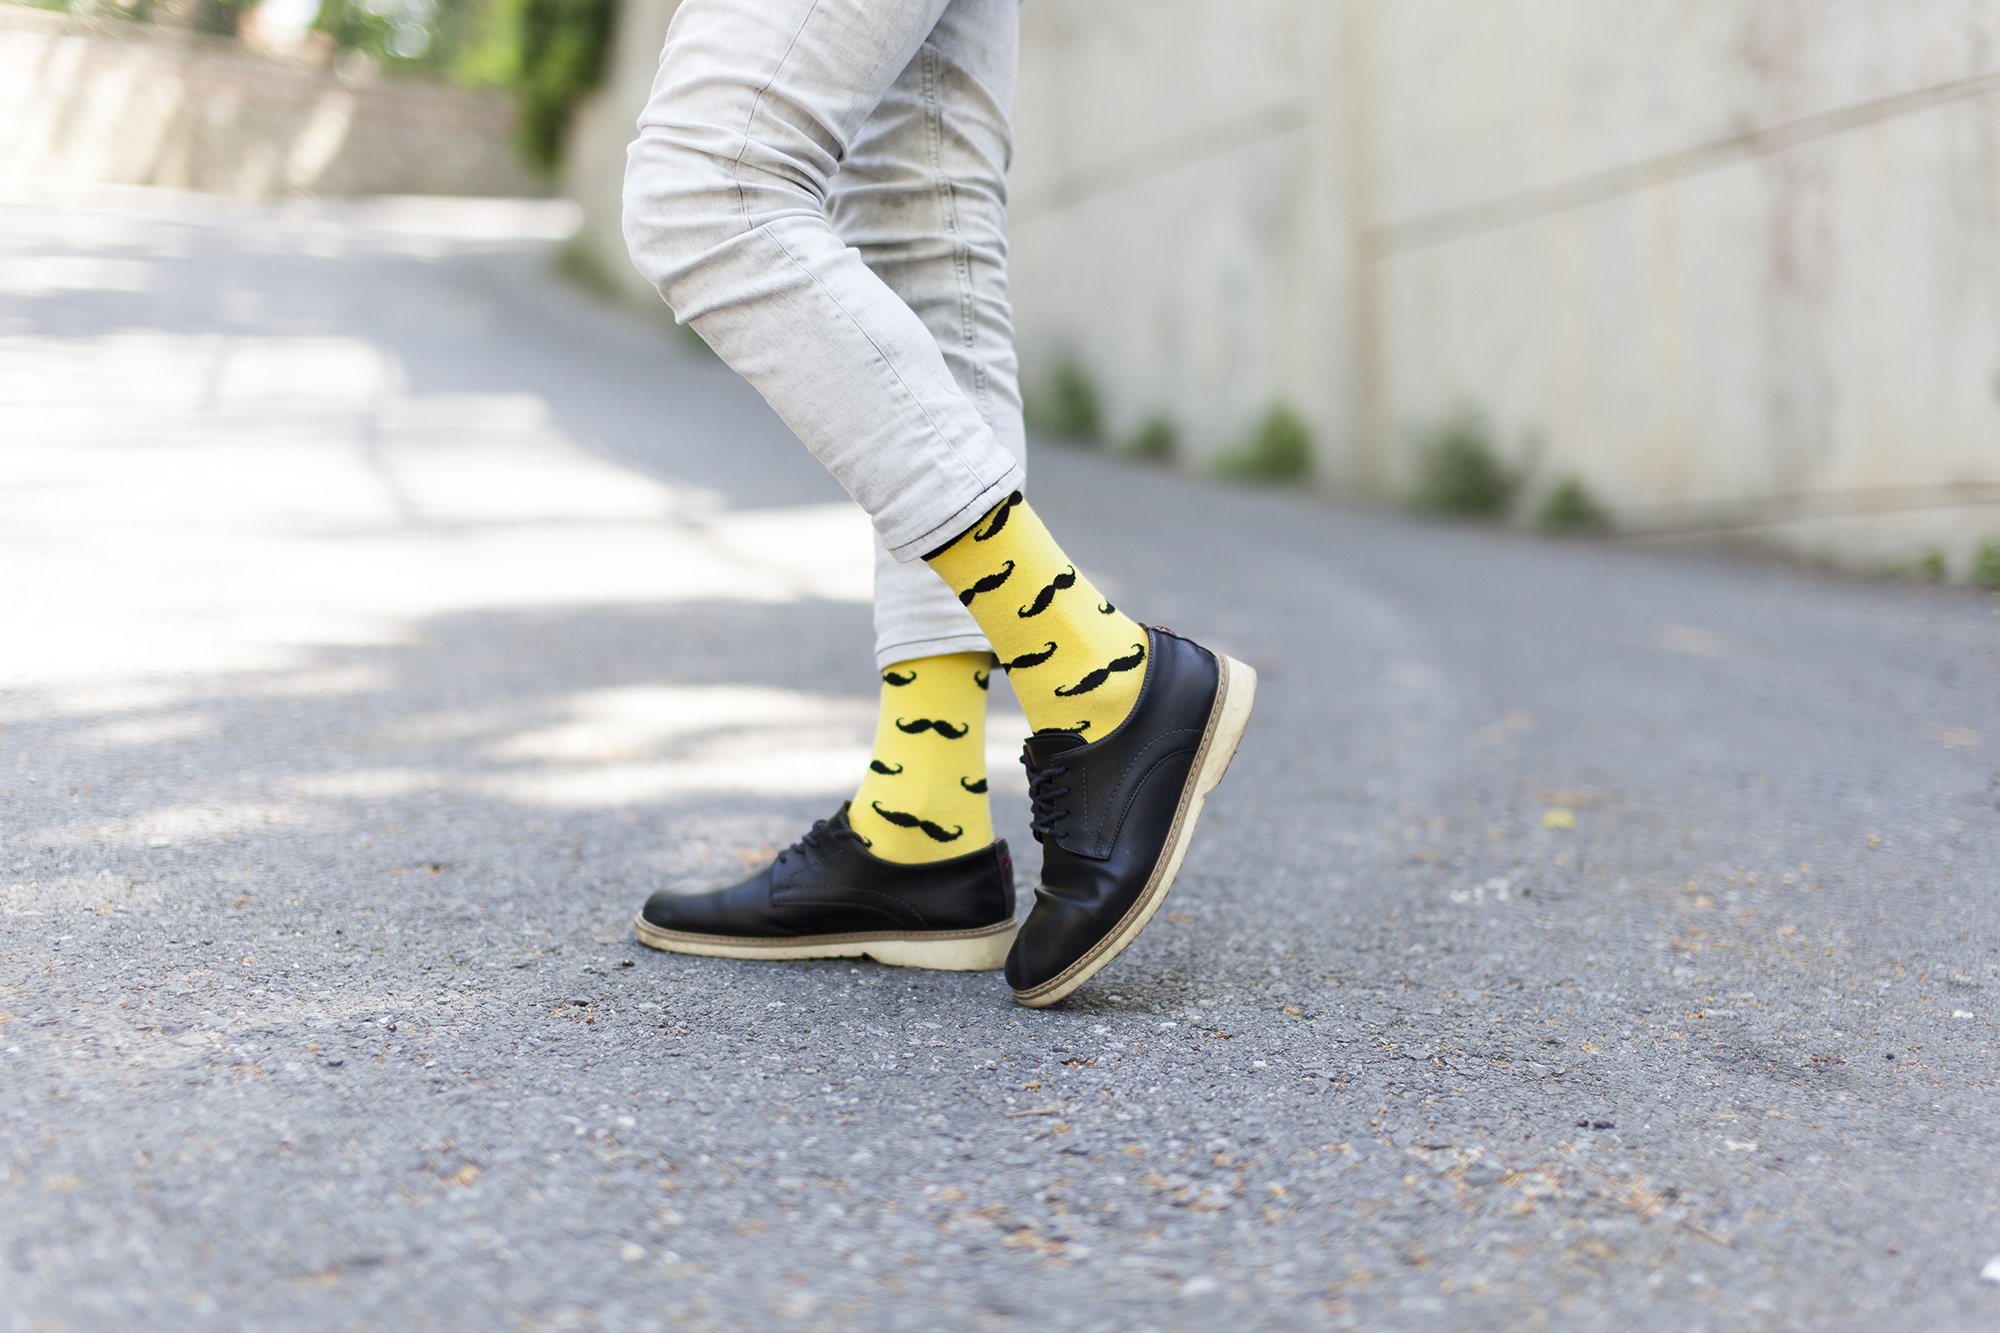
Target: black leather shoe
column 828, row 896
column 1114, row 816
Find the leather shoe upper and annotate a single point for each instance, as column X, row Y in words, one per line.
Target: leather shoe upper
column 1104, row 809
column 829, row 883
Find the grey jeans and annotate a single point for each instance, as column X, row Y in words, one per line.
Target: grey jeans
column 819, row 188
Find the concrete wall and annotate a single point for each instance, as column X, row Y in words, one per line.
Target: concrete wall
column 128, row 105
column 1733, row 265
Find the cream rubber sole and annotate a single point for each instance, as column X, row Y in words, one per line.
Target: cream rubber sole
column 1234, row 694
column 982, row 950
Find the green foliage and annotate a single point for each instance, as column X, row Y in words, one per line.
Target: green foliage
column 220, row 18
column 1986, row 566
column 1156, row 441
column 563, row 45
column 549, row 53
column 427, row 37
column 576, row 261
column 1570, row 510
column 1459, row 473
column 1926, row 567
column 1279, row 450
column 1068, row 409
column 695, row 342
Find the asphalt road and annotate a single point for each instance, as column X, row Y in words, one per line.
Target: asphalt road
column 383, row 620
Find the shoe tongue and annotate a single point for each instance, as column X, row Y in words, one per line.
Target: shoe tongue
column 839, row 818
column 1044, row 746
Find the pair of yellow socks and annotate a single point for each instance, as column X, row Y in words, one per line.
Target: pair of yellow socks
column 1075, row 661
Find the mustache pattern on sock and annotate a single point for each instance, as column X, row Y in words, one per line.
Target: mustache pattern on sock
column 1066, row 579
column 976, row 788
column 999, row 518
column 901, row 819
column 1106, row 609
column 983, row 679
column 1104, row 673
column 1031, row 659
column 939, row 725
column 986, row 584
column 1079, row 729
column 912, row 798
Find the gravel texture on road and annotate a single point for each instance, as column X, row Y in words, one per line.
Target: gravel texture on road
column 1586, row 935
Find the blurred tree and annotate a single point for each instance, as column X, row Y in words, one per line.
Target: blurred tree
column 548, row 53
column 435, row 37
column 551, row 53
column 220, row 17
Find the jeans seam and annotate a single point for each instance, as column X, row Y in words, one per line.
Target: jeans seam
column 950, row 444
column 757, row 104
column 961, row 249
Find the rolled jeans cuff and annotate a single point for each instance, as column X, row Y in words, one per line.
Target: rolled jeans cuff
column 960, row 517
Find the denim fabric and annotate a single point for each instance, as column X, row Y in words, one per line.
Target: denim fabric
column 819, row 188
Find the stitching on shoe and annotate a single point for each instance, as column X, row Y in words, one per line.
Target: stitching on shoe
column 1099, row 828
column 893, row 900
column 1150, row 891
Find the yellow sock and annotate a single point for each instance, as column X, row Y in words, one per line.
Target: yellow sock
column 924, row 798
column 1075, row 661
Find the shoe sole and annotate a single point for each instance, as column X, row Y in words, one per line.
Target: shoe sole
column 981, row 950
column 1234, row 694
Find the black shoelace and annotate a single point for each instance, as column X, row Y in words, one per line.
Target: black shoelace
column 1045, row 799
column 817, row 835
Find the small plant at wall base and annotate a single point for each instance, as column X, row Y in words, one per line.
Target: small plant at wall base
column 1926, row 567
column 1156, row 440
column 1986, row 566
column 576, row 261
column 697, row 344
column 1459, row 473
column 1570, row 510
column 1279, row 450
column 1068, row 408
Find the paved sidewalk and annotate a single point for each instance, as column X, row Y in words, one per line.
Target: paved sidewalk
column 1585, row 935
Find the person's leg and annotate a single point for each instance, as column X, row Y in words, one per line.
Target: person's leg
column 866, row 353
column 756, row 104
column 923, row 797
column 922, row 196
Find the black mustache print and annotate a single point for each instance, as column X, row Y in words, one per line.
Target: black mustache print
column 1079, row 729
column 983, row 679
column 987, row 584
column 923, row 724
column 999, row 518
column 1031, row 659
column 1106, row 608
column 877, row 766
column 896, row 678
column 937, row 832
column 976, row 788
column 1104, row 673
column 1066, row 579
